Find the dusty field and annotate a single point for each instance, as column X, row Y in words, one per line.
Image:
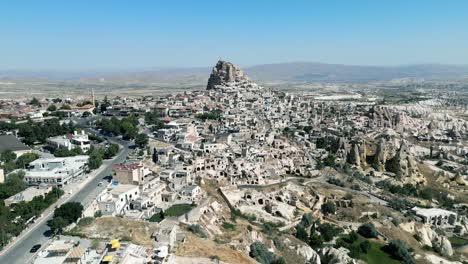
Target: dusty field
column 138, row 232
column 196, row 247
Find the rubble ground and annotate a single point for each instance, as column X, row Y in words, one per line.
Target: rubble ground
column 138, row 232
column 196, row 247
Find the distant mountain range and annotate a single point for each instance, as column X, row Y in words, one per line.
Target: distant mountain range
column 294, row 71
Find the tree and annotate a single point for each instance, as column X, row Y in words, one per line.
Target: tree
column 105, row 104
column 368, row 230
column 13, row 184
column 65, row 107
column 329, row 160
column 328, row 208
column 152, row 118
column 315, row 241
column 95, row 159
column 70, row 211
column 306, row 220
column 35, row 102
column 399, row 250
column 260, row 253
column 365, row 246
column 52, row 108
column 25, row 159
column 111, row 151
column 57, row 224
column 301, row 233
column 329, row 231
column 141, row 140
column 7, row 156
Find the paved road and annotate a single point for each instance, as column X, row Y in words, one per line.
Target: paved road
column 19, row 253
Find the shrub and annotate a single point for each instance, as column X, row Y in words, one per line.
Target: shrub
column 365, row 246
column 97, row 214
column 398, row 250
column 328, row 231
column 260, row 253
column 301, row 233
column 229, row 226
column 306, row 220
column 315, row 241
column 352, row 237
column 328, row 208
column 196, row 229
column 368, row 230
column 85, row 221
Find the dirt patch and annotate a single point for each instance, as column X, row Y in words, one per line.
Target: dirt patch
column 197, row 247
column 137, row 232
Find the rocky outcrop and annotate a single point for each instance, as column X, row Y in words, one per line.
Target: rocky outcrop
column 224, row 73
column 363, row 153
column 380, row 156
column 439, row 243
column 330, row 255
column 354, row 156
column 357, row 154
column 404, row 165
column 433, row 259
column 309, row 254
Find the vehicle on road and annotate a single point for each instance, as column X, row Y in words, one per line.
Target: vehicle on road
column 35, row 248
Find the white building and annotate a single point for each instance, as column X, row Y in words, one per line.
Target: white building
column 71, row 141
column 436, row 216
column 55, row 171
column 117, row 198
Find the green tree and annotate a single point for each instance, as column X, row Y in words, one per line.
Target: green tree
column 365, row 246
column 315, row 241
column 35, row 102
column 65, row 107
column 260, row 253
column 328, row 208
column 141, row 140
column 306, row 220
column 57, row 224
column 399, row 250
column 52, row 108
column 25, row 159
column 328, row 231
column 301, row 233
column 368, row 230
column 111, row 151
column 95, row 159
column 7, row 156
column 70, row 211
column 13, row 184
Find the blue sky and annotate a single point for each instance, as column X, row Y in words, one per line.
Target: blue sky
column 90, row 35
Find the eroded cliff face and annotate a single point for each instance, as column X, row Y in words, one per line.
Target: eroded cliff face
column 225, row 73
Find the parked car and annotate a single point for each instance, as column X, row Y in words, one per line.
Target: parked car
column 35, row 248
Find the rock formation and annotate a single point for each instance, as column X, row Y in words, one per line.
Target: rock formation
column 380, row 156
column 439, row 243
column 357, row 153
column 354, row 156
column 330, row 255
column 404, row 165
column 224, row 73
column 309, row 254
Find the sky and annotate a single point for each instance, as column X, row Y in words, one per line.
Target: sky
column 105, row 34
